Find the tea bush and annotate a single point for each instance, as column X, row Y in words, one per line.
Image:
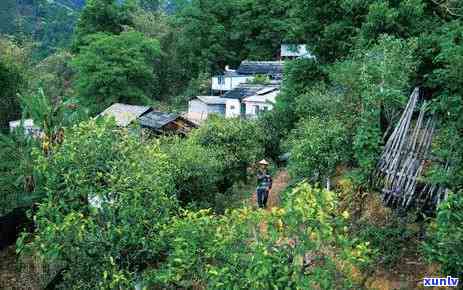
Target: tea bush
column 445, row 242
column 107, row 197
column 302, row 245
column 316, row 147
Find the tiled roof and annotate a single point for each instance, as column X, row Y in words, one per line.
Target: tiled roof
column 271, row 68
column 156, row 119
column 263, row 98
column 246, row 90
column 125, row 114
column 212, row 100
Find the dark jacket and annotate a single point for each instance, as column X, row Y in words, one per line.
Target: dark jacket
column 264, row 180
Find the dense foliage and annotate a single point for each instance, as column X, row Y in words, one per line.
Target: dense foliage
column 116, row 68
column 17, row 181
column 50, row 24
column 101, row 16
column 300, row 246
column 237, row 143
column 446, row 239
column 114, row 202
column 107, row 197
column 197, row 171
column 12, row 81
column 316, row 147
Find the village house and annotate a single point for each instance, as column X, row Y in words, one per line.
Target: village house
column 261, row 101
column 154, row 121
column 30, row 129
column 203, row 106
column 246, row 72
column 246, row 100
column 294, row 51
column 229, row 80
column 240, row 93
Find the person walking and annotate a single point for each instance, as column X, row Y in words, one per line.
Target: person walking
column 264, row 184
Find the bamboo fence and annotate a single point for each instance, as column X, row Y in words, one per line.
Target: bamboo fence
column 405, row 158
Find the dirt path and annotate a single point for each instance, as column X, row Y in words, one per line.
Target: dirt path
column 280, row 182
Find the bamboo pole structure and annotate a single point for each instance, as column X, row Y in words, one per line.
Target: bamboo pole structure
column 404, row 158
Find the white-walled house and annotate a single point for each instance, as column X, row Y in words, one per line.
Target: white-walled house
column 291, row 51
column 228, row 81
column 203, row 106
column 245, row 73
column 262, row 101
column 30, row 129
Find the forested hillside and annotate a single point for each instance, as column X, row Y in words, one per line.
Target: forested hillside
column 86, row 203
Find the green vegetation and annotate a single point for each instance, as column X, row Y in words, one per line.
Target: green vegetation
column 446, row 237
column 316, row 147
column 12, row 81
column 302, row 246
column 116, row 68
column 168, row 212
column 107, row 197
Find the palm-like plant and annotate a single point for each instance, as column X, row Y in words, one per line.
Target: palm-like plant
column 50, row 118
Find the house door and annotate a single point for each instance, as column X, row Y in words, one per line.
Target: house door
column 243, row 110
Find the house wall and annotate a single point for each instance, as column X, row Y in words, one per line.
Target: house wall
column 196, row 106
column 230, row 82
column 219, row 109
column 293, row 50
column 251, row 108
column 232, row 109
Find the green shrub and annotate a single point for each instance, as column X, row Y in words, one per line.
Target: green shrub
column 107, row 197
column 302, row 245
column 389, row 243
column 196, row 171
column 445, row 242
column 17, row 178
column 316, row 147
column 236, row 143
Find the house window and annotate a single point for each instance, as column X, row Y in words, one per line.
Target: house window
column 221, row 80
column 265, row 108
column 257, row 110
column 232, row 107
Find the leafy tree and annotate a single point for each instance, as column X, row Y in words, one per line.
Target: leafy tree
column 108, row 196
column 101, row 16
column 208, row 35
column 299, row 78
column 316, row 146
column 116, row 68
column 54, row 75
column 196, row 171
column 237, row 144
column 321, row 101
column 13, row 61
column 59, row 22
column 260, row 27
column 50, row 118
column 374, row 81
column 447, row 88
column 19, row 179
